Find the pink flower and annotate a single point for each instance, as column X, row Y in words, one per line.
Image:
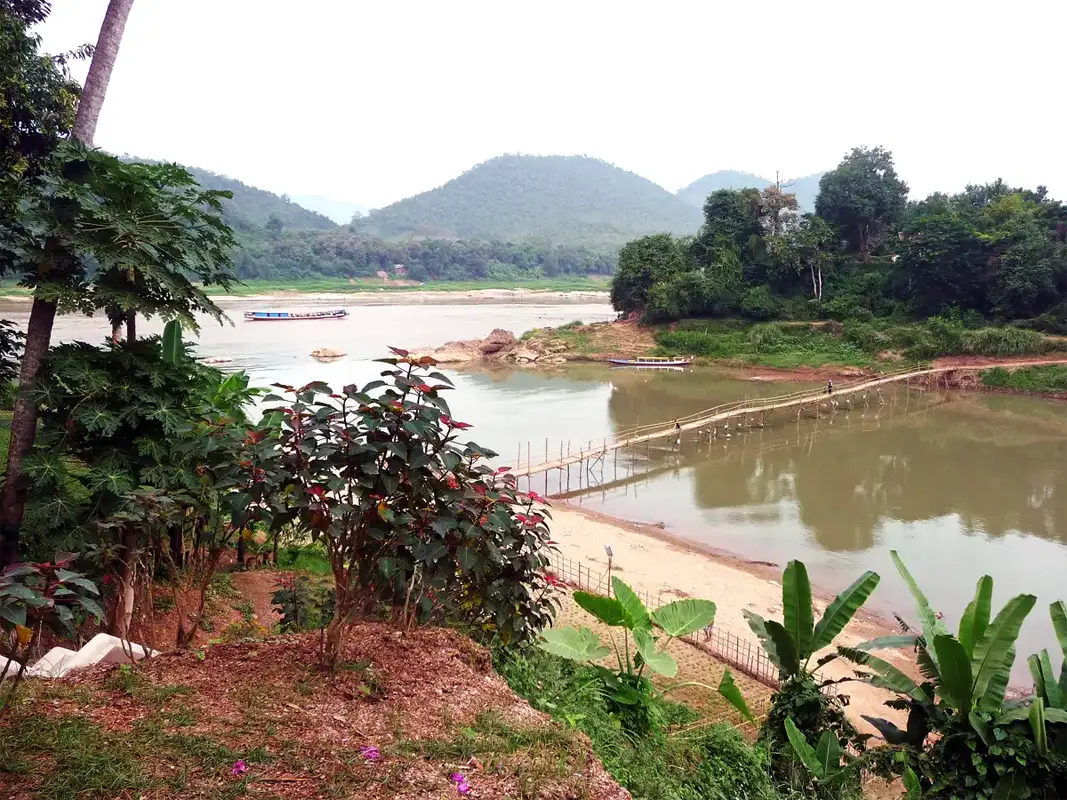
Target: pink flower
column 370, row 752
column 461, row 783
column 240, row 769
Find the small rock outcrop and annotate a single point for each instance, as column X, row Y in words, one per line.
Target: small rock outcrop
column 499, row 345
column 498, row 339
column 327, row 352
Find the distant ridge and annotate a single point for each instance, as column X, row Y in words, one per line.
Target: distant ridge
column 340, row 211
column 562, row 199
column 805, row 188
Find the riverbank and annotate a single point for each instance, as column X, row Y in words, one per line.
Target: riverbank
column 668, row 566
column 364, row 290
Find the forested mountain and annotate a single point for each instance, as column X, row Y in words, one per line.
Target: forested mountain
column 571, row 200
column 252, row 207
column 806, row 189
column 340, row 211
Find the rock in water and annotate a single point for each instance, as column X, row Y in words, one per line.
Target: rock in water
column 497, row 340
column 328, row 352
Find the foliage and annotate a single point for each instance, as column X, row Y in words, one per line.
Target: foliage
column 824, row 761
column 713, row 763
column 38, row 107
column 805, row 188
column 11, row 339
column 790, row 645
column 643, row 263
column 48, row 593
column 629, row 692
column 1037, row 380
column 863, row 198
column 407, row 514
column 982, row 744
column 562, row 199
column 300, row 603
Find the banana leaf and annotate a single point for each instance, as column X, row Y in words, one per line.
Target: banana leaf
column 990, row 652
column 797, row 612
column 976, row 618
column 843, row 609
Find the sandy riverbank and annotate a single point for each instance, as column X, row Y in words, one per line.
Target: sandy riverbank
column 383, row 297
column 667, row 565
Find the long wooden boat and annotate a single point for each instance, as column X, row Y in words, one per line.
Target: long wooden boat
column 651, row 362
column 293, row 316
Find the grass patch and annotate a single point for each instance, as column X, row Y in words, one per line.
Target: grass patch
column 222, row 585
column 1035, row 380
column 772, row 344
column 70, row 758
column 310, row 558
column 713, row 764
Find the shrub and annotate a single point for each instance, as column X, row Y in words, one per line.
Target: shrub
column 866, row 337
column 766, row 338
column 410, row 518
column 759, row 303
column 1007, row 341
column 1051, row 379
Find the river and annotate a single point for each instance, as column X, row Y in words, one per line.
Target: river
column 960, row 484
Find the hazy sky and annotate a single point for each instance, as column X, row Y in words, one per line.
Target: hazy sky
column 374, row 101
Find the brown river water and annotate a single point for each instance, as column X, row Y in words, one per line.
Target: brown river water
column 960, row 484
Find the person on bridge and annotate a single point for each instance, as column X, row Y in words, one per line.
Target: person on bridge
column 678, row 434
column 830, row 386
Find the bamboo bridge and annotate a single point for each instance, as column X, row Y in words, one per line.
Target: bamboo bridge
column 721, row 420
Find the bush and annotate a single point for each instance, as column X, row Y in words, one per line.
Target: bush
column 1007, row 341
column 759, row 303
column 766, row 338
column 866, row 337
column 1037, row 380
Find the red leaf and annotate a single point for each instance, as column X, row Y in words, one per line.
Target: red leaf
column 399, row 352
column 503, row 469
column 461, row 425
column 480, row 488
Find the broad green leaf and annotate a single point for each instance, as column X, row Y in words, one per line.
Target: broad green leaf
column 1056, row 716
column 976, row 618
column 573, row 643
column 981, row 727
column 805, row 752
column 931, row 625
column 1037, row 725
column 606, row 609
column 993, row 699
column 93, row 607
column 889, row 642
column 843, row 609
column 1016, row 714
column 659, row 661
column 683, row 617
column 1058, row 612
column 634, row 612
column 775, row 641
column 990, row 652
column 1045, row 680
column 797, row 613
column 172, row 342
column 16, row 615
column 913, row 789
column 828, row 751
column 956, row 678
column 886, row 675
column 729, row 690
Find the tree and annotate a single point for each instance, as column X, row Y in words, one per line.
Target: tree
column 274, row 225
column 807, row 247
column 777, row 208
column 643, row 263
column 863, row 197
column 732, row 226
column 54, row 261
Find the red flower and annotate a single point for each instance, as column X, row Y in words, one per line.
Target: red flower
column 535, row 497
column 425, row 388
column 317, row 491
column 452, row 483
column 525, row 520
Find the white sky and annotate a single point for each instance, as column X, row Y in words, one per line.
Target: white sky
column 374, row 101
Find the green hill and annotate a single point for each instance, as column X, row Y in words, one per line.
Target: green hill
column 560, row 199
column 806, row 188
column 252, row 207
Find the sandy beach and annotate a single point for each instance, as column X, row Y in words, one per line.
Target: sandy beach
column 668, row 566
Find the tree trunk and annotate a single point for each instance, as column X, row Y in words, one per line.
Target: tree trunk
column 865, row 243
column 131, row 327
column 23, row 428
column 186, row 635
column 274, row 549
column 240, row 550
column 43, row 314
column 176, row 545
column 103, row 63
column 122, row 613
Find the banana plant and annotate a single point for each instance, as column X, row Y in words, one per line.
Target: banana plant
column 1050, row 693
column 790, row 644
column 966, row 674
column 824, row 761
column 629, row 686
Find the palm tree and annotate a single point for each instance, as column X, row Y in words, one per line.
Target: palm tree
column 43, row 312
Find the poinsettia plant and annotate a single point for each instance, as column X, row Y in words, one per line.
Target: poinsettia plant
column 411, row 517
column 48, row 593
